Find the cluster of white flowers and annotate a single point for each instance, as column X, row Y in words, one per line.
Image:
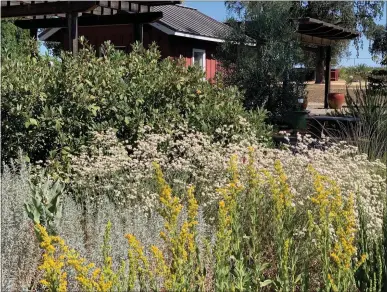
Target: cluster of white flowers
column 125, row 173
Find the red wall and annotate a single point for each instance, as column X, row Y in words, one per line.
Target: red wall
column 184, row 47
column 122, row 35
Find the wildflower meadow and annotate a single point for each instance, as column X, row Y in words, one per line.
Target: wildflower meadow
column 170, row 184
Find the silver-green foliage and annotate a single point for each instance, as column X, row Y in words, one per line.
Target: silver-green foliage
column 20, row 249
column 81, row 228
column 371, row 276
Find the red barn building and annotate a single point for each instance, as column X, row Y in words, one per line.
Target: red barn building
column 182, row 31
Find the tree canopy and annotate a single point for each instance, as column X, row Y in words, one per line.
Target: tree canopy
column 264, row 67
column 379, row 44
column 14, row 40
column 265, row 71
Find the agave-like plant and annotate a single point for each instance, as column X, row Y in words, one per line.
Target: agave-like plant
column 45, row 206
column 369, row 134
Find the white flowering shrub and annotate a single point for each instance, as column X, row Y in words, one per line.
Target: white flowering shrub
column 125, row 173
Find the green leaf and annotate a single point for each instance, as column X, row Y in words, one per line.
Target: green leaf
column 33, row 122
column 58, row 125
column 265, row 283
column 30, row 122
column 94, row 109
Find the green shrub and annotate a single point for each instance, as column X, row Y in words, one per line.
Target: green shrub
column 355, row 73
column 50, row 106
column 378, row 79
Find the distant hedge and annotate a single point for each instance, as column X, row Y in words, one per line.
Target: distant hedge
column 378, row 79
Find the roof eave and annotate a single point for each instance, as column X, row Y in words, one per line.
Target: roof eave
column 168, row 30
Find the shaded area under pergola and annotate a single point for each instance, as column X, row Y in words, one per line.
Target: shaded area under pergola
column 34, row 15
column 320, row 34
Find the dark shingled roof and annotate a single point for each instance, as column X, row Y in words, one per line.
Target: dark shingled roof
column 189, row 20
column 183, row 19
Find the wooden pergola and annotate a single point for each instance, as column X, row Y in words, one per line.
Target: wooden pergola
column 320, row 34
column 34, row 15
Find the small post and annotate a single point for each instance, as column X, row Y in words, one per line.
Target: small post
column 327, row 75
column 34, row 33
column 72, row 25
column 138, row 32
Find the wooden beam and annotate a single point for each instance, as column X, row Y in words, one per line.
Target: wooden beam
column 309, row 49
column 92, row 20
column 72, row 19
column 157, row 3
column 320, row 32
column 327, row 74
column 47, row 8
column 307, row 39
column 309, row 28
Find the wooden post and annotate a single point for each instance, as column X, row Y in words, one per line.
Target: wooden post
column 34, row 33
column 327, row 75
column 320, row 65
column 138, row 32
column 72, row 25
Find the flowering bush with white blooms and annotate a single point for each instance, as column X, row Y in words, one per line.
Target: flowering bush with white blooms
column 125, row 173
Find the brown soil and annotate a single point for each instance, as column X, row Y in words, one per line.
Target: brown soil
column 316, row 91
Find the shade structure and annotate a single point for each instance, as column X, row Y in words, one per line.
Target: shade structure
column 71, row 14
column 47, row 9
column 92, row 20
column 314, row 32
column 317, row 30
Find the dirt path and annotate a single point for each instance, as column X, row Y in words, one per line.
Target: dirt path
column 316, row 91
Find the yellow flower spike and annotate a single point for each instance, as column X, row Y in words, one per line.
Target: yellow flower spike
column 179, row 241
column 63, row 282
column 44, row 282
column 362, row 260
column 334, row 286
column 96, row 273
column 335, row 258
column 137, row 259
column 337, row 219
column 53, row 278
column 161, row 266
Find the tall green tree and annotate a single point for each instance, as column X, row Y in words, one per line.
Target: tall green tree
column 14, row 40
column 379, row 44
column 260, row 53
column 358, row 16
column 262, row 49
